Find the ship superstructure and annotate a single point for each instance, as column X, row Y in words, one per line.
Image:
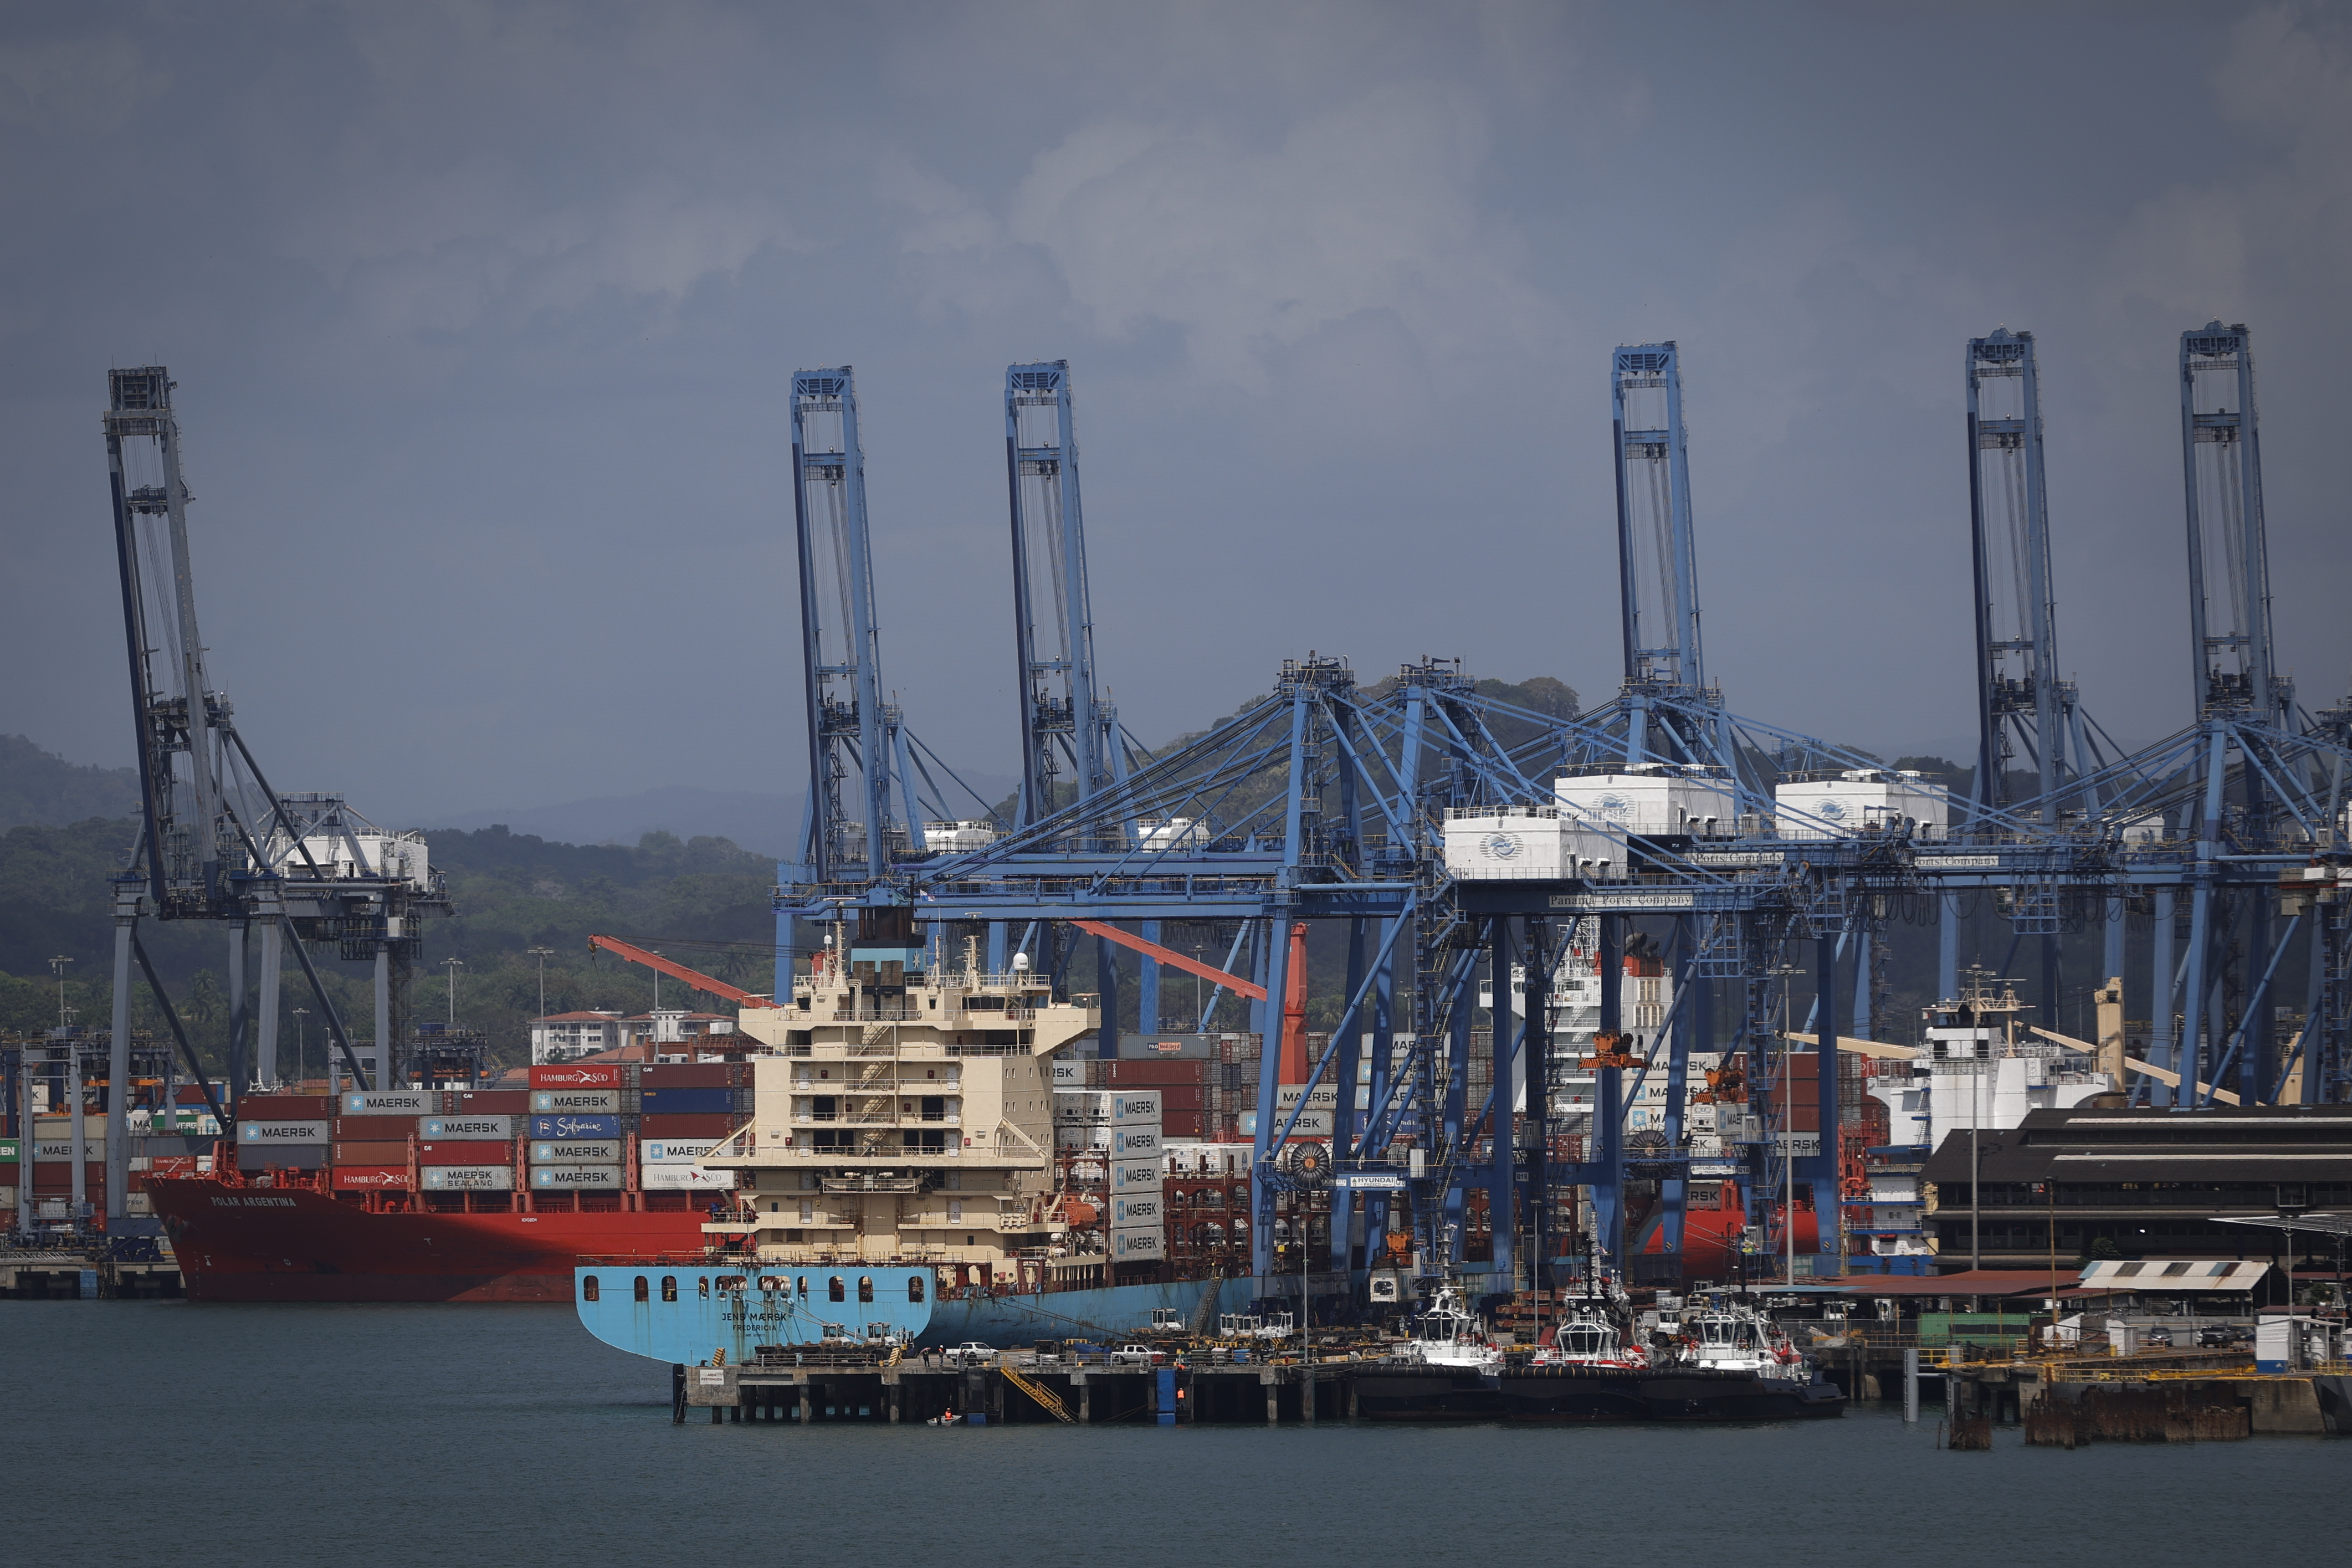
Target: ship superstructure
column 908, row 1119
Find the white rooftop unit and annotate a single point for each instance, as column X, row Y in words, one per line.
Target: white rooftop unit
column 1655, row 799
column 1863, row 800
column 1528, row 842
column 958, row 837
column 1171, row 833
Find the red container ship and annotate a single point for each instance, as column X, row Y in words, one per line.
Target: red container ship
column 237, row 1240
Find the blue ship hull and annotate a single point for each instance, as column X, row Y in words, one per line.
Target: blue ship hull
column 686, row 1311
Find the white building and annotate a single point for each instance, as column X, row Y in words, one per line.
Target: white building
column 567, row 1036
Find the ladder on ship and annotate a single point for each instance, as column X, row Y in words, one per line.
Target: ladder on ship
column 1045, row 1398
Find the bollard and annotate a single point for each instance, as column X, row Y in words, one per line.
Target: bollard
column 1911, row 1385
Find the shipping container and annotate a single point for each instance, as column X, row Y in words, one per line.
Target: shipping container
column 1174, row 1098
column 176, row 1164
column 1130, row 1107
column 1148, row 1073
column 685, row 1178
column 370, row 1128
column 559, row 1178
column 575, row 1101
column 579, row 1075
column 1135, row 1143
column 1184, row 1124
column 154, row 1145
column 477, row 1129
column 1138, row 1245
column 575, row 1153
column 462, row 1151
column 55, row 1178
column 467, row 1178
column 489, row 1102
column 373, row 1178
column 679, row 1101
column 286, row 1107
column 258, row 1131
column 575, row 1127
column 686, row 1075
column 357, row 1153
column 392, row 1102
column 1135, row 1175
column 673, row 1150
column 285, row 1157
column 672, row 1125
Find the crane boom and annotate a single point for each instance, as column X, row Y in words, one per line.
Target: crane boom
column 693, row 977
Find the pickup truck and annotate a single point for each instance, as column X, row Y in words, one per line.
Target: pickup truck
column 1135, row 1355
column 972, row 1352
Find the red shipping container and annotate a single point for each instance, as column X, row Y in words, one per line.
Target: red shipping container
column 1178, row 1096
column 51, row 1177
column 370, row 1128
column 1136, row 1072
column 577, row 1074
column 171, row 1164
column 1184, row 1124
column 459, row 1153
column 285, row 1108
column 685, row 1075
column 357, row 1153
column 691, row 1124
column 370, row 1178
column 489, row 1102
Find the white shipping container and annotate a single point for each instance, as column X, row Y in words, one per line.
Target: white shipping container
column 673, row 1150
column 1325, row 1098
column 1135, row 1143
column 392, row 1102
column 1135, row 1176
column 679, row 1178
column 1135, row 1246
column 1080, row 1105
column 281, row 1133
column 575, row 1101
column 1137, row 1209
column 1081, row 1138
column 1134, row 1107
column 467, row 1178
column 574, row 1153
column 1068, row 1074
column 559, row 1177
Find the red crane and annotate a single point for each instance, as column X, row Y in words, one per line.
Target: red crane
column 693, row 977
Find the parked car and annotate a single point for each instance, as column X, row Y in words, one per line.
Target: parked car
column 2155, row 1337
column 1135, row 1355
column 972, row 1352
column 2219, row 1336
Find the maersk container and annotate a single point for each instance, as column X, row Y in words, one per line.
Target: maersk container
column 467, row 1178
column 673, row 1150
column 392, row 1102
column 569, row 1127
column 578, row 1152
column 478, row 1128
column 578, row 1102
column 258, row 1131
column 546, row 1178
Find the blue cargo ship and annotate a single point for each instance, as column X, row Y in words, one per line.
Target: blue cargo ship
column 682, row 1310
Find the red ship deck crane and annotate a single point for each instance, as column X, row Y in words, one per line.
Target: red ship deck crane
column 694, row 977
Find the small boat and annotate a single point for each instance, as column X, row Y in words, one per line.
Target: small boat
column 1447, row 1371
column 1725, row 1362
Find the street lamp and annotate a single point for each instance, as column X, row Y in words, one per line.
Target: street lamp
column 453, row 965
column 302, row 1040
column 57, row 968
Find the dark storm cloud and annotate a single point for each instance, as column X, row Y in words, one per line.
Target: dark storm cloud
column 481, row 316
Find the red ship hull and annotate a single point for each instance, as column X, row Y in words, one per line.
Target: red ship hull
column 239, row 1242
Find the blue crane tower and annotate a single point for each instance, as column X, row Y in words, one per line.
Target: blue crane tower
column 1657, row 562
column 1069, row 728
column 851, row 735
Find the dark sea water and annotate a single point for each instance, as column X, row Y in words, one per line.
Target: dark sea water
column 160, row 1432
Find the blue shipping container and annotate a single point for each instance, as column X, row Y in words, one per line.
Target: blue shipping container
column 689, row 1101
column 575, row 1127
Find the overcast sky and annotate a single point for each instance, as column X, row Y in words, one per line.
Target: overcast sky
column 482, row 317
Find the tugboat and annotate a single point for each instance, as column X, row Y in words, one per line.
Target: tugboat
column 1447, row 1371
column 1721, row 1363
column 1731, row 1362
